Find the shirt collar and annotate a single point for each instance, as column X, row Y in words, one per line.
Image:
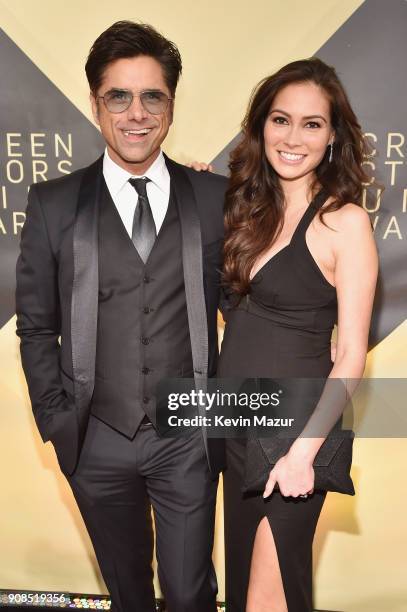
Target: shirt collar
column 116, row 177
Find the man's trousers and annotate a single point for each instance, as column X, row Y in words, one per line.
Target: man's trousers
column 116, row 483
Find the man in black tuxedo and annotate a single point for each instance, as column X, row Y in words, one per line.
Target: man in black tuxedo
column 117, row 288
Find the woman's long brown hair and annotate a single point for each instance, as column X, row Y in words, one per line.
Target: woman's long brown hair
column 254, row 208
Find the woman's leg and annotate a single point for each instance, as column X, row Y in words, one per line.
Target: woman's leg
column 266, row 591
column 281, row 571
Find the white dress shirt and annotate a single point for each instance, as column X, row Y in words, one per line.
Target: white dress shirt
column 125, row 196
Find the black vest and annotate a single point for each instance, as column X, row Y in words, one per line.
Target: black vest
column 143, row 332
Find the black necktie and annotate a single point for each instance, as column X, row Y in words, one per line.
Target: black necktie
column 143, row 232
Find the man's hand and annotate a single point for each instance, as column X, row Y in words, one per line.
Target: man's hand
column 199, row 166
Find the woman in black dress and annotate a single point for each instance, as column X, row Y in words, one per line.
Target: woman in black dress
column 299, row 257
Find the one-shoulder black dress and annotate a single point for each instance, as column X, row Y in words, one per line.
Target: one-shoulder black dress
column 281, row 329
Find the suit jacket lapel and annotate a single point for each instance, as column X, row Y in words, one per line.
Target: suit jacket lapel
column 193, row 278
column 193, row 267
column 84, row 307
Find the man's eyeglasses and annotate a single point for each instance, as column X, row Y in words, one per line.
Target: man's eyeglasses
column 153, row 101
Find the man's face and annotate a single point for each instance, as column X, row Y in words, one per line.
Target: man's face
column 134, row 136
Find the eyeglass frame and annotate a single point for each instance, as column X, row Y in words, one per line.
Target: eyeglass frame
column 136, row 96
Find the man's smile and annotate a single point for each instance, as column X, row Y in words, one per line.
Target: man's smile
column 136, row 135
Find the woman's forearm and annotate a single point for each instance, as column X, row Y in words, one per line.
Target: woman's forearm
column 340, row 386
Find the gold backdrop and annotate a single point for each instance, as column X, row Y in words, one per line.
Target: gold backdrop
column 227, row 46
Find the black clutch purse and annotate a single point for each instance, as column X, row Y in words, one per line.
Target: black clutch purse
column 331, row 465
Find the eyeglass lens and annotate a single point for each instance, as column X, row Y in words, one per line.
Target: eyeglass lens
column 154, row 102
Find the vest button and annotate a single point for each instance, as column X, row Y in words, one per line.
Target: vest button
column 146, row 279
column 145, row 341
column 145, row 370
column 147, row 310
column 146, row 399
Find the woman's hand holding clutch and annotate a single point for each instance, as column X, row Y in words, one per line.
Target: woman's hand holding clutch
column 293, row 475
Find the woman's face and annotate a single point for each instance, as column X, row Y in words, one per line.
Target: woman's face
column 298, row 130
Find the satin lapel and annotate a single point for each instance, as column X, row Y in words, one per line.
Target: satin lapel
column 85, row 288
column 193, row 279
column 193, row 267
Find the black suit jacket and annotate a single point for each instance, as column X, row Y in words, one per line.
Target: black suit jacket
column 57, row 295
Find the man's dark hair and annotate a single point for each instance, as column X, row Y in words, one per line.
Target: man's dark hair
column 128, row 39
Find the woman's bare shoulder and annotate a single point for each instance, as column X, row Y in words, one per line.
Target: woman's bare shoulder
column 350, row 217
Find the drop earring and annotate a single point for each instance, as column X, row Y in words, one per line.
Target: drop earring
column 331, row 152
